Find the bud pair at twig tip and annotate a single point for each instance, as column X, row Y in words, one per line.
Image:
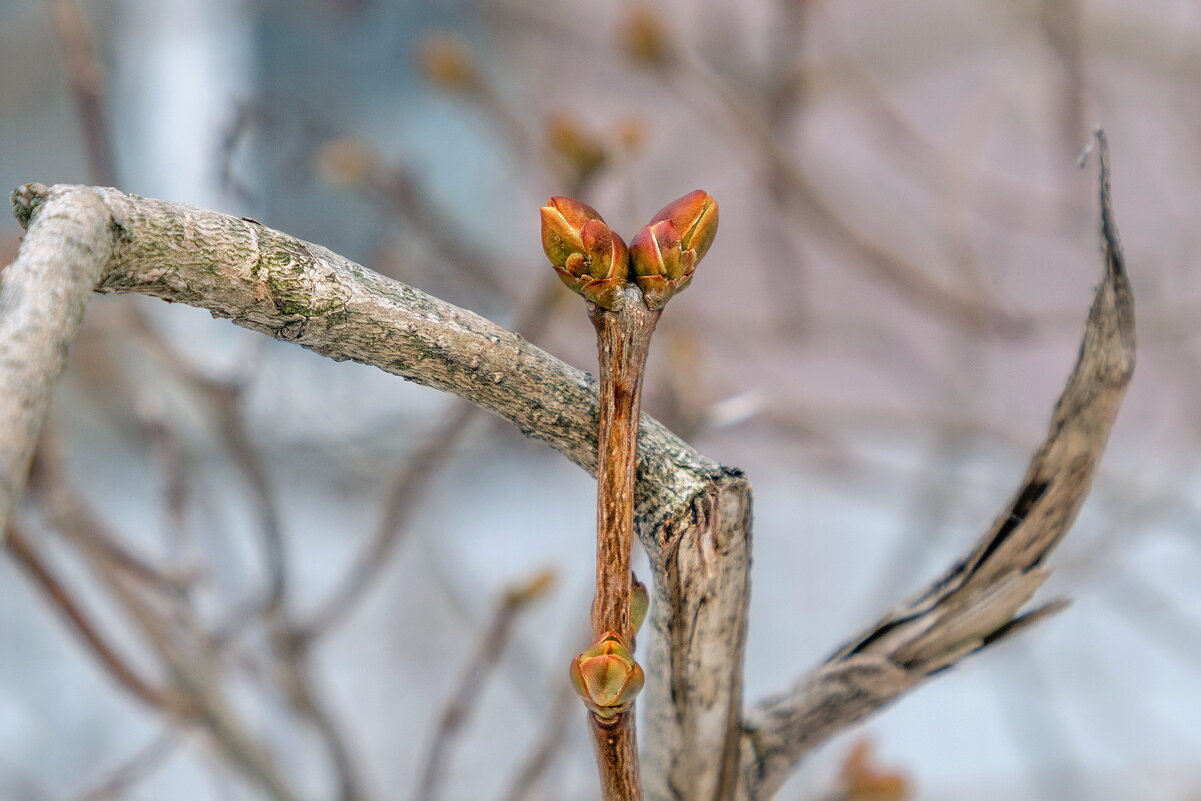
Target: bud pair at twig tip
column 606, row 676
column 589, row 258
column 594, row 261
column 665, row 252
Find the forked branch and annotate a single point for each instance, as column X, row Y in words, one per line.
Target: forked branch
column 692, row 515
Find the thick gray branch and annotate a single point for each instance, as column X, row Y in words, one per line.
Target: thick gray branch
column 693, row 516
column 293, row 290
column 979, row 600
column 42, row 297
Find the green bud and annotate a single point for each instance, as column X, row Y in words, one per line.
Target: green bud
column 640, row 603
column 606, row 676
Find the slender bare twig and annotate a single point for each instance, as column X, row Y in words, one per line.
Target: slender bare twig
column 176, row 489
column 118, row 781
column 547, row 747
column 87, row 85
column 486, row 656
column 412, row 481
column 295, row 675
column 27, row 557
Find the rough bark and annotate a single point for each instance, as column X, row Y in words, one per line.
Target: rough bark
column 42, row 298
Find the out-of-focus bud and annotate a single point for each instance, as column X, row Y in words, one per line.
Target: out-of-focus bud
column 640, row 602
column 579, row 150
column 631, row 134
column 606, row 676
column 446, row 62
column 665, row 252
column 863, row 780
column 642, row 35
column 345, row 162
column 588, row 257
column 531, row 589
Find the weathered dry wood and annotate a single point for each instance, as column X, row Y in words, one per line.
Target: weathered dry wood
column 978, row 601
column 694, row 679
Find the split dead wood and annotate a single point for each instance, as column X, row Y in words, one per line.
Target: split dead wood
column 979, row 601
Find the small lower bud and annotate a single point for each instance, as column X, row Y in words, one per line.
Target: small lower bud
column 640, row 602
column 606, row 677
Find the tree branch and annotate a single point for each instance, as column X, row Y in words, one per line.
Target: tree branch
column 692, row 515
column 42, row 296
column 270, row 282
column 978, row 601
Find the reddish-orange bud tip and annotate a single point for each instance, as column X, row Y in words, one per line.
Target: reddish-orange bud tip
column 590, row 258
column 664, row 253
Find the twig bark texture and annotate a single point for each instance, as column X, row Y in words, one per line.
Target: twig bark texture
column 623, row 339
column 693, row 516
column 623, row 342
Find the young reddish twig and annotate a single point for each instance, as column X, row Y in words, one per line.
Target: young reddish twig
column 626, row 290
